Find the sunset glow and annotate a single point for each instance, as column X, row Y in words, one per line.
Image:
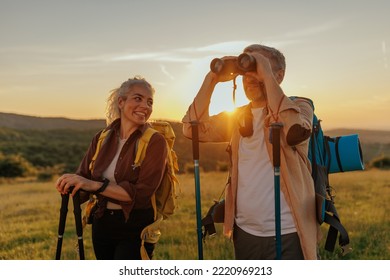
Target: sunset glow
column 61, row 58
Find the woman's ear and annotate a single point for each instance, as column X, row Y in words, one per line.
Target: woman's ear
column 121, row 102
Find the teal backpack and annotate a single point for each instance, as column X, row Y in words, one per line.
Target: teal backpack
column 331, row 155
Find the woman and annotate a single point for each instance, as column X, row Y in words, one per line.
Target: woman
column 124, row 192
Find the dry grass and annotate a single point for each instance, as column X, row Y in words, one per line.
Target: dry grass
column 29, row 215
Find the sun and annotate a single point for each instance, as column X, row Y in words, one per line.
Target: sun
column 222, row 99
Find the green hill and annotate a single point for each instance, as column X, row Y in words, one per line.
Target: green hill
column 52, row 141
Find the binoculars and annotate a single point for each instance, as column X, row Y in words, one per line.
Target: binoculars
column 235, row 65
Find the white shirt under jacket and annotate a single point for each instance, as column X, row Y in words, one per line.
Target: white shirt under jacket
column 256, row 179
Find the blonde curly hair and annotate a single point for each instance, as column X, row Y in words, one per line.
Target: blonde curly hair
column 112, row 108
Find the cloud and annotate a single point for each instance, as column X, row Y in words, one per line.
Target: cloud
column 224, row 47
column 183, row 55
column 314, row 30
column 164, row 70
column 180, row 55
column 166, row 56
column 138, row 56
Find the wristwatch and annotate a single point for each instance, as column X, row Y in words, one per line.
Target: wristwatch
column 103, row 187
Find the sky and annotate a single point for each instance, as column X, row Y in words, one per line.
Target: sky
column 62, row 58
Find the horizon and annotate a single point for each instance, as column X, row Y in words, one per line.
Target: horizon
column 336, row 54
column 178, row 121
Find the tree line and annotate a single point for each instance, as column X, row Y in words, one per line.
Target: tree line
column 33, row 152
column 45, row 152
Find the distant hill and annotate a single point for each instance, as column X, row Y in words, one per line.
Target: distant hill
column 365, row 136
column 46, row 141
column 21, row 122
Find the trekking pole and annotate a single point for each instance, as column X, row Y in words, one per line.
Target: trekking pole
column 275, row 139
column 195, row 151
column 62, row 222
column 79, row 225
column 61, row 225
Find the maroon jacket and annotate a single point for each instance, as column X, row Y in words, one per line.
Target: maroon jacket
column 141, row 182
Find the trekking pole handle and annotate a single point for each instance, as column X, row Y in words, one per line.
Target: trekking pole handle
column 275, row 140
column 195, row 139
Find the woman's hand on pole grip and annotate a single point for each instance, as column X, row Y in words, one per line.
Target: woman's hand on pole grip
column 66, row 181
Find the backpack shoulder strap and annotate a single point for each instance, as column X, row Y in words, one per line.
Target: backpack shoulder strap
column 142, row 144
column 101, row 139
column 305, row 98
column 92, row 198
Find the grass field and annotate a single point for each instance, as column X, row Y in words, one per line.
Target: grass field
column 29, row 215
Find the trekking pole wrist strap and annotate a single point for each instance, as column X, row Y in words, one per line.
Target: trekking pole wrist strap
column 103, row 187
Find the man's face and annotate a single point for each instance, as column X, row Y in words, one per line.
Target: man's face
column 253, row 88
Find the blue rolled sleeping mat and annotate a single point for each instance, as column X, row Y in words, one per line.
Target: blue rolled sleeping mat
column 345, row 154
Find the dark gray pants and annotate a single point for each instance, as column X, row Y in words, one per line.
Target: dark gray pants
column 251, row 247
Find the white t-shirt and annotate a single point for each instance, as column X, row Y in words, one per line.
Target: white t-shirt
column 109, row 173
column 255, row 194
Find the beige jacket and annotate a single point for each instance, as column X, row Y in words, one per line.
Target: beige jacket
column 295, row 180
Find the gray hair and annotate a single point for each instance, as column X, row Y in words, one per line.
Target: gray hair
column 271, row 53
column 112, row 108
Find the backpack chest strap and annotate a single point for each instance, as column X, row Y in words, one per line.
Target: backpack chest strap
column 142, row 145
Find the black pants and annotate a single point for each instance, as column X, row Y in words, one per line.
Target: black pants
column 250, row 247
column 115, row 239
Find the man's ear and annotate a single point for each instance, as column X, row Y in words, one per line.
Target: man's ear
column 279, row 75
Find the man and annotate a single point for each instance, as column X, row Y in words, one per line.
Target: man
column 249, row 207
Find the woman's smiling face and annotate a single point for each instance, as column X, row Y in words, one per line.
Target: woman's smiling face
column 137, row 105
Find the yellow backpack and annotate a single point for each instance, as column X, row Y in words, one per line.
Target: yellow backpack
column 164, row 200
